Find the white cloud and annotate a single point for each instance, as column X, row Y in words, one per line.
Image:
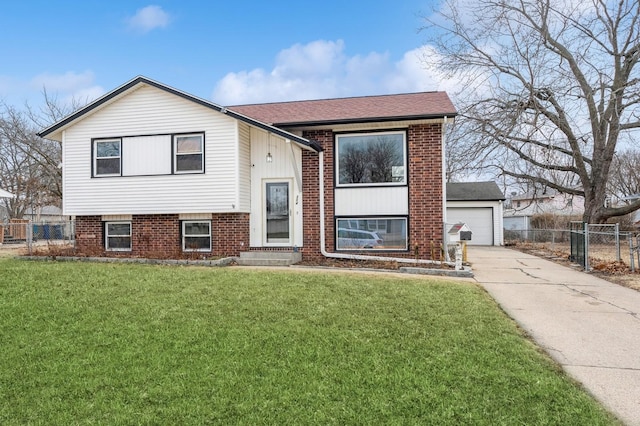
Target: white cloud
column 70, row 87
column 322, row 69
column 149, row 18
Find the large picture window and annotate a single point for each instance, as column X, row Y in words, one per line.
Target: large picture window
column 381, row 233
column 196, row 235
column 107, row 155
column 189, row 153
column 118, row 236
column 371, row 159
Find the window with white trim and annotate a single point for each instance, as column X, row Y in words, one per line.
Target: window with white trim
column 379, row 233
column 107, row 156
column 196, row 235
column 117, row 236
column 189, row 153
column 371, row 159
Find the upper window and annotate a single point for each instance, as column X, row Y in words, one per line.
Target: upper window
column 107, row 155
column 189, row 153
column 118, row 236
column 371, row 159
column 196, row 235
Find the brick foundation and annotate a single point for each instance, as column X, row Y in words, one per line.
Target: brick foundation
column 159, row 236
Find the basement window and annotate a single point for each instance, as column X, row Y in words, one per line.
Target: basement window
column 380, row 233
column 196, row 235
column 118, row 236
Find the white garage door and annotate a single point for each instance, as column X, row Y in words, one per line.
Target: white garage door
column 478, row 219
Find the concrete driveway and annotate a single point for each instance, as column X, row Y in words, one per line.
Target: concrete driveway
column 589, row 326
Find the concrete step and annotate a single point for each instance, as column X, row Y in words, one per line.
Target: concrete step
column 269, row 258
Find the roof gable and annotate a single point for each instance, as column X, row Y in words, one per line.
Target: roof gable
column 473, row 191
column 406, row 106
column 55, row 129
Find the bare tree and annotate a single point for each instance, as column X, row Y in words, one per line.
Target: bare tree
column 383, row 155
column 548, row 88
column 353, row 164
column 29, row 165
column 20, row 171
column 624, row 182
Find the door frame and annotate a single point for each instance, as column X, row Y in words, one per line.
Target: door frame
column 263, row 208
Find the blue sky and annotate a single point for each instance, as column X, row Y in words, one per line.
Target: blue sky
column 230, row 52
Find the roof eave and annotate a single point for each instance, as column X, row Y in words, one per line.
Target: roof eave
column 365, row 120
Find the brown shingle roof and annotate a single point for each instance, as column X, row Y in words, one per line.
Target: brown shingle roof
column 344, row 110
column 473, row 191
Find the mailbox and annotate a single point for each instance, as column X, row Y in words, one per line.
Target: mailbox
column 459, row 232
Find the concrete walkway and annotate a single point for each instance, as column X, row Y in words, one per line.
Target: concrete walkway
column 589, row 326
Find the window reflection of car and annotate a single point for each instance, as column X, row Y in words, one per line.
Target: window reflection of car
column 355, row 238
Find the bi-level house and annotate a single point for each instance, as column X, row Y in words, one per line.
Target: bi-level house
column 149, row 170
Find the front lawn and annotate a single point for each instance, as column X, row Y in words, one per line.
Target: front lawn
column 90, row 343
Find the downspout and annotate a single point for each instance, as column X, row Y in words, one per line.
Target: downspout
column 445, row 235
column 355, row 256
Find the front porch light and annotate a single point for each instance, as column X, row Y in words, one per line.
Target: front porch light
column 269, row 157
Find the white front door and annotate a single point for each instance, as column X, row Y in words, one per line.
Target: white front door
column 277, row 224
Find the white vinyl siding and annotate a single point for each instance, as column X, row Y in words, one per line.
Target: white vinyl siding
column 151, row 111
column 244, row 167
column 369, row 201
column 146, row 155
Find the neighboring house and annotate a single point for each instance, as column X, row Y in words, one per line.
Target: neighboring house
column 479, row 206
column 4, row 214
column 5, row 194
column 149, row 170
column 45, row 214
column 520, row 208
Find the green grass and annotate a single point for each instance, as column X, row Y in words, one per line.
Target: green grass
column 132, row 344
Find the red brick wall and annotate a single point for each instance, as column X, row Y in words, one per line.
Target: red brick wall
column 156, row 236
column 159, row 236
column 310, row 190
column 425, row 188
column 89, row 235
column 424, row 145
column 230, row 233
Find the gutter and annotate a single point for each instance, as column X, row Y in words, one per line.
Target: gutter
column 356, row 256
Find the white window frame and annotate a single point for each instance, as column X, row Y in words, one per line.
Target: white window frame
column 351, row 221
column 107, row 236
column 395, row 169
column 96, row 158
column 177, row 154
column 185, row 236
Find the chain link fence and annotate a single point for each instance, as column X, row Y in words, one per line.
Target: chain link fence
column 587, row 244
column 24, row 232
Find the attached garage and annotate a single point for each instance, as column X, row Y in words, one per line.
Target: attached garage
column 479, row 205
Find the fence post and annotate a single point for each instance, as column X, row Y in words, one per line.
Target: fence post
column 586, row 247
column 29, row 235
column 631, row 258
column 618, row 240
